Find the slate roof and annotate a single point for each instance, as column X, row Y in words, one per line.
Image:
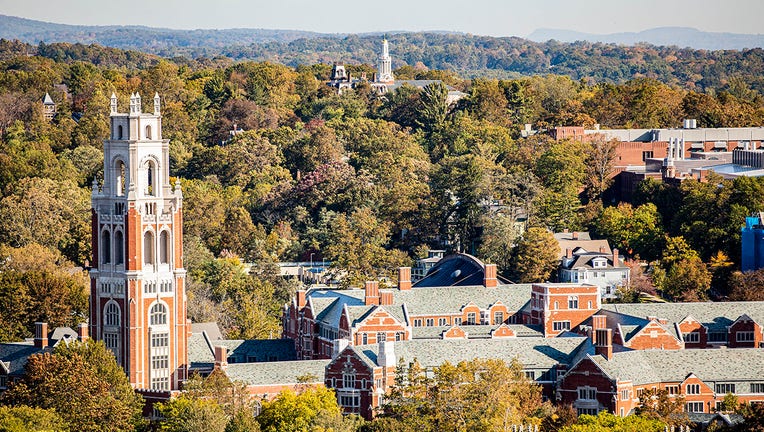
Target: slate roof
column 440, row 300
column 259, row 350
column 453, row 283
column 454, row 270
column 476, row 331
column 200, row 352
column 584, row 260
column 14, row 356
column 533, row 353
column 211, row 328
column 716, row 316
column 566, row 241
column 710, row 365
column 277, row 373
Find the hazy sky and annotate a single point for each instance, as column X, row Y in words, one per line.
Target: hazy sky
column 484, row 17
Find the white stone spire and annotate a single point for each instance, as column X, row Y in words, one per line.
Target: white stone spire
column 157, row 108
column 385, row 72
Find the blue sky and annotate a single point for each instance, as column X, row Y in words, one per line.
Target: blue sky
column 483, row 17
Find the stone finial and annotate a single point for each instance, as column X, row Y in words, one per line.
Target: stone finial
column 157, row 104
column 113, row 103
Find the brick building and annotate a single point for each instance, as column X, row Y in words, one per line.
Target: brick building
column 614, row 381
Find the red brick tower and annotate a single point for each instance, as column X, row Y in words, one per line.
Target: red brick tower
column 137, row 289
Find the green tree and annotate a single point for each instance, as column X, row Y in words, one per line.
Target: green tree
column 185, row 414
column 536, row 256
column 500, row 235
column 607, row 422
column 297, row 412
column 25, row 419
column 635, row 231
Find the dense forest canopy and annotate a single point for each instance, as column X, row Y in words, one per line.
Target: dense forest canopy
column 367, row 181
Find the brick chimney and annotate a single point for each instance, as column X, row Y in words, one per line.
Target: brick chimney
column 604, row 344
column 302, row 298
column 371, row 296
column 385, row 298
column 221, row 357
column 568, row 253
column 574, row 235
column 602, row 249
column 82, row 332
column 404, row 278
column 599, row 322
column 615, row 257
column 489, row 280
column 40, row 335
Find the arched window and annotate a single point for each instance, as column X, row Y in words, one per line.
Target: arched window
column 119, row 132
column 119, row 248
column 106, row 247
column 148, row 132
column 164, row 247
column 150, row 178
column 148, row 247
column 120, row 180
column 111, row 316
column 158, row 314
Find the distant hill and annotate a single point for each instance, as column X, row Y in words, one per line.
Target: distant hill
column 467, row 55
column 148, row 39
column 663, row 36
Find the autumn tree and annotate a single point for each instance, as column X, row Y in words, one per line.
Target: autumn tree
column 659, row 405
column 536, row 256
column 681, row 273
column 635, row 231
column 83, row 384
column 747, row 286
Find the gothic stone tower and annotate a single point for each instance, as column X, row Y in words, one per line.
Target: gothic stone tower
column 137, row 289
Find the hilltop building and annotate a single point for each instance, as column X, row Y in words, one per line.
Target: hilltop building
column 384, row 80
column 137, row 294
column 588, row 261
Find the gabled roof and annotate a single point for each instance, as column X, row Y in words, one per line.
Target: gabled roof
column 477, row 331
column 709, row 365
column 261, row 350
column 533, row 353
column 278, row 373
column 200, row 351
column 716, row 316
column 211, row 328
column 584, row 260
column 14, row 356
column 439, row 300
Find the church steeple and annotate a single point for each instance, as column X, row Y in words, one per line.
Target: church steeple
column 385, row 70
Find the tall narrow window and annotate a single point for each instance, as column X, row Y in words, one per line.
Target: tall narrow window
column 148, row 132
column 120, row 180
column 164, row 247
column 148, row 248
column 150, row 178
column 119, row 248
column 106, row 247
column 119, row 132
